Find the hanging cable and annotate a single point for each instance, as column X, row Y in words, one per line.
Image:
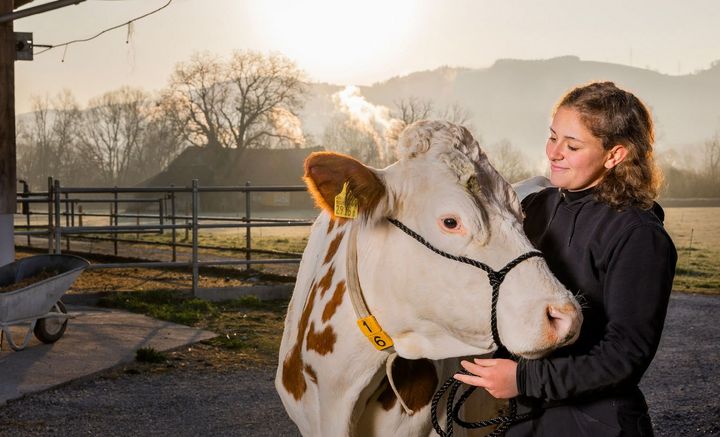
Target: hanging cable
column 127, row 23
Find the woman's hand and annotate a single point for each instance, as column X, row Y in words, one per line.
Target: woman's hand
column 497, row 376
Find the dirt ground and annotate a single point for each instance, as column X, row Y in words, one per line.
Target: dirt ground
column 205, row 389
column 194, row 394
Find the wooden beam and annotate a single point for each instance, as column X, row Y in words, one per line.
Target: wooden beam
column 20, row 3
column 7, row 112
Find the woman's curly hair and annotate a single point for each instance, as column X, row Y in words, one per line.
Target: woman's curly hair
column 618, row 117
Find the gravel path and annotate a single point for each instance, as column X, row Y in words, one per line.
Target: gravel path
column 681, row 387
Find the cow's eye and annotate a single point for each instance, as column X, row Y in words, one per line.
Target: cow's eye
column 450, row 223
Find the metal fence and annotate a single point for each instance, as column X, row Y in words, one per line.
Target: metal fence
column 157, row 212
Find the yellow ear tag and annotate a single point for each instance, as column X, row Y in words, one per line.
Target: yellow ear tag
column 346, row 204
column 372, row 330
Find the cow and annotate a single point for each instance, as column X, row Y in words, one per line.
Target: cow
column 376, row 318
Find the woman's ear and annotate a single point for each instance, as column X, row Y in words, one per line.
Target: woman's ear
column 615, row 156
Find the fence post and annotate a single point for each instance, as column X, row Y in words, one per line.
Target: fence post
column 58, row 222
column 80, row 216
column 26, row 208
column 161, row 213
column 115, row 216
column 51, row 227
column 172, row 218
column 195, row 269
column 67, row 220
column 248, row 235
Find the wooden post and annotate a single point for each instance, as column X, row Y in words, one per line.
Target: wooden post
column 7, row 136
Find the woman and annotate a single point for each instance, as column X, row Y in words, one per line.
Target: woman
column 602, row 235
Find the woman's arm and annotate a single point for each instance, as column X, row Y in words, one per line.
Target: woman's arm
column 637, row 288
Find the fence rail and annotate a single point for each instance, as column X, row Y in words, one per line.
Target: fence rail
column 64, row 217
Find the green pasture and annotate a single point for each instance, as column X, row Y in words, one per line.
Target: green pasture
column 696, row 233
column 247, row 327
column 291, row 243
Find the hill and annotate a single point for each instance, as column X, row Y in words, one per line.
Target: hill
column 513, row 99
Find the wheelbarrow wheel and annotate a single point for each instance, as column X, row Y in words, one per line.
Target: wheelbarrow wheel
column 50, row 329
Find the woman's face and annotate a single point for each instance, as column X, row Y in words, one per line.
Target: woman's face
column 577, row 158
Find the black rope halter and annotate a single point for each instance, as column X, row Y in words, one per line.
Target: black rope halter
column 451, row 386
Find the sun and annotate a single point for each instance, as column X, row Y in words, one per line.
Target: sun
column 336, row 38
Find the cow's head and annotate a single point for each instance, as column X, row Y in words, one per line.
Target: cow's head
column 444, row 188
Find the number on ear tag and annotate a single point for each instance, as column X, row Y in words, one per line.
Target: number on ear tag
column 346, row 204
column 372, row 330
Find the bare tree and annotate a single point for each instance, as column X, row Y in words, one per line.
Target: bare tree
column 508, row 161
column 264, row 86
column 111, row 132
column 341, row 135
column 159, row 145
column 411, row 109
column 456, row 113
column 712, row 159
column 251, row 100
column 195, row 98
column 46, row 144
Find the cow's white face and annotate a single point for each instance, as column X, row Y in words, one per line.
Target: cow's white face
column 444, row 189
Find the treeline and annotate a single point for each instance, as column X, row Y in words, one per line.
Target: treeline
column 685, row 180
column 120, row 138
column 128, row 135
column 249, row 100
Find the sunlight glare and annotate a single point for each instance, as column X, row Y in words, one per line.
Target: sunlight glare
column 328, row 38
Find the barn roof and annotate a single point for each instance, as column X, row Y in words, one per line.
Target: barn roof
column 234, row 167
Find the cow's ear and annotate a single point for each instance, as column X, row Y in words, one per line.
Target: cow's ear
column 327, row 172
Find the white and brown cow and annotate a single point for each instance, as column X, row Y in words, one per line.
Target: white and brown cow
column 331, row 379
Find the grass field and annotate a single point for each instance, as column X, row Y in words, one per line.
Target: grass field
column 249, row 330
column 696, row 233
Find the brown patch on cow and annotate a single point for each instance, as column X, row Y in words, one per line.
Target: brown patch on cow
column 415, row 380
column 322, row 342
column 327, row 172
column 334, row 301
column 387, row 397
column 292, row 376
column 333, row 247
column 326, row 281
column 331, row 225
column 311, row 373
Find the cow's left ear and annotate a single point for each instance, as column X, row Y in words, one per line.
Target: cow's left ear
column 327, row 172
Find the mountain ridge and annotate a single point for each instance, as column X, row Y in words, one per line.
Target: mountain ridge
column 513, row 98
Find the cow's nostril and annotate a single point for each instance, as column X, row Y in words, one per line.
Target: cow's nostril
column 560, row 321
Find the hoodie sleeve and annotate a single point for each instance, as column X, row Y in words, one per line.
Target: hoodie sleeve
column 637, row 288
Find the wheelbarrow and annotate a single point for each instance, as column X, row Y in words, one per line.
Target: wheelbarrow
column 37, row 304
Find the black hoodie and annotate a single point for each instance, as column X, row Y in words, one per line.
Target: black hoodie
column 621, row 265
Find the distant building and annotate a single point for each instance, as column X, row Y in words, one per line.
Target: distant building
column 230, row 167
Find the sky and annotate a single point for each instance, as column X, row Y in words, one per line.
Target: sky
column 360, row 42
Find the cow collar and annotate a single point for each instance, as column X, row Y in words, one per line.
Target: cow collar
column 367, row 323
column 365, row 320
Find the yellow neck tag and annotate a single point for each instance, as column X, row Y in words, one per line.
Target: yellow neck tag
column 372, row 330
column 346, row 204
